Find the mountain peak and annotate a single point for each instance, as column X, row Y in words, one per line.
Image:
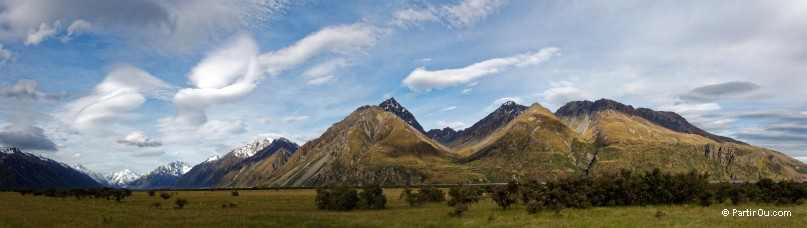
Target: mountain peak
column 251, row 148
column 391, row 105
column 511, row 107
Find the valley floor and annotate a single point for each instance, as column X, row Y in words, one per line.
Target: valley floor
column 296, row 208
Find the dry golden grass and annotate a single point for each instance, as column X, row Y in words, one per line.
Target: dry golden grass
column 295, row 208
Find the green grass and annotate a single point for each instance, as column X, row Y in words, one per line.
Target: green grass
column 295, row 208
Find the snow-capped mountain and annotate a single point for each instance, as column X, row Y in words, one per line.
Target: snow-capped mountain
column 20, row 170
column 162, row 177
column 210, row 172
column 391, row 105
column 251, row 148
column 95, row 176
column 122, row 178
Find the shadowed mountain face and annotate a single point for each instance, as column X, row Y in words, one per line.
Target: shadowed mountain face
column 210, row 173
column 485, row 127
column 391, row 105
column 19, row 170
column 443, row 136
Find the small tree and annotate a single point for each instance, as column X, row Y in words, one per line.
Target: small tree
column 505, row 196
column 461, row 198
column 151, row 192
column 180, row 202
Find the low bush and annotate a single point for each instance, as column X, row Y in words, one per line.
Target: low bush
column 341, row 198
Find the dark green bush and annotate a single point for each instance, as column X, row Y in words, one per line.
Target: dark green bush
column 165, row 195
column 372, row 197
column 180, row 202
column 505, row 195
column 341, row 198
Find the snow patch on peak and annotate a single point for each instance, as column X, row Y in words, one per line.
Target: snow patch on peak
column 213, row 158
column 176, row 168
column 251, row 148
column 122, row 178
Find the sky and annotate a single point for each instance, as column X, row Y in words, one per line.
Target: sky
column 114, row 84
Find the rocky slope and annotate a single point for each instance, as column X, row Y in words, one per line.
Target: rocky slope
column 443, row 136
column 259, row 167
column 20, row 170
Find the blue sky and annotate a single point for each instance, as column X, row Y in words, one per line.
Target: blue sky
column 136, row 84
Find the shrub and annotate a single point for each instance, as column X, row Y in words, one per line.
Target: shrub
column 165, row 195
column 180, row 202
column 341, row 198
column 504, row 196
column 372, row 197
column 426, row 194
column 461, row 198
column 234, row 193
column 151, row 192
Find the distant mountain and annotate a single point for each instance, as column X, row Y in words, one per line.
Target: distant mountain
column 260, row 166
column 371, row 145
column 20, row 170
column 121, row 179
column 486, row 126
column 210, row 173
column 164, row 176
column 443, row 136
column 95, row 176
column 391, row 105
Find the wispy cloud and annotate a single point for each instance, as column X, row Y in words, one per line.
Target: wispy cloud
column 139, row 139
column 422, row 80
column 294, row 119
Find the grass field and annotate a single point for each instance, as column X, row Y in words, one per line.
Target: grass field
column 295, row 208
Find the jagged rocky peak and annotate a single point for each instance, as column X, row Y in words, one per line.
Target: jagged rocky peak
column 175, row 168
column 10, row 150
column 511, row 107
column 391, row 105
column 251, row 148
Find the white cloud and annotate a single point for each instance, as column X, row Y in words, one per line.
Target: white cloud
column 453, row 125
column 464, row 13
column 422, row 80
column 323, row 72
column 123, row 90
column 206, row 134
column 469, row 12
column 76, row 28
column 321, row 80
column 293, row 119
column 686, row 108
column 410, row 16
column 224, row 75
column 139, row 139
column 26, row 137
column 466, row 91
column 6, row 55
column 25, row 89
column 44, row 32
column 449, row 108
column 341, row 40
column 563, row 92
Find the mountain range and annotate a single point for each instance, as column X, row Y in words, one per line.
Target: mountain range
column 385, row 144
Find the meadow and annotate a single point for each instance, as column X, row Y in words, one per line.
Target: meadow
column 296, row 208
